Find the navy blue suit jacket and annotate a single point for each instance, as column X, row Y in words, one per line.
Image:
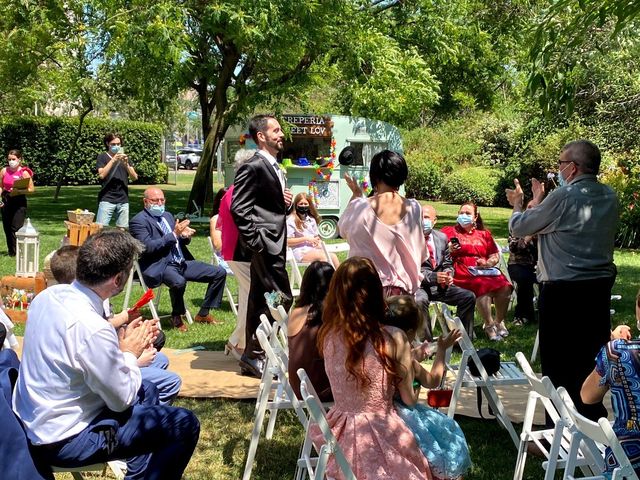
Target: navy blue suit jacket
column 157, row 254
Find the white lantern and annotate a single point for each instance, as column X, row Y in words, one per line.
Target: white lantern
column 27, row 250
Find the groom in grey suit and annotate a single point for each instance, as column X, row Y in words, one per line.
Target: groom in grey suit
column 437, row 284
column 259, row 207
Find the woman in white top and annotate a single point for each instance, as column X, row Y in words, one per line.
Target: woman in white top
column 386, row 228
column 302, row 232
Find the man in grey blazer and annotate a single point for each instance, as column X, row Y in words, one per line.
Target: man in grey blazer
column 259, row 207
column 437, row 284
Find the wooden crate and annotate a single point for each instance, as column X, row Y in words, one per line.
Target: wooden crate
column 78, row 233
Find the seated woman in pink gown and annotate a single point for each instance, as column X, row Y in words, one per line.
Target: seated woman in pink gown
column 366, row 364
column 475, row 256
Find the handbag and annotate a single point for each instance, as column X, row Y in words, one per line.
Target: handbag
column 490, row 359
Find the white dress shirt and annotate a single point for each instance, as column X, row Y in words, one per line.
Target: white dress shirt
column 72, row 366
column 274, row 163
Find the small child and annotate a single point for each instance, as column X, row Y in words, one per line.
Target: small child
column 439, row 437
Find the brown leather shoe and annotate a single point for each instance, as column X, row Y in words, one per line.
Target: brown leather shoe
column 177, row 322
column 206, row 319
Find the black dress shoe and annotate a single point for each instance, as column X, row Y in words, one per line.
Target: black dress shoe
column 252, row 367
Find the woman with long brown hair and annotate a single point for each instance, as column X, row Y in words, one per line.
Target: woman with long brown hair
column 302, row 231
column 366, row 364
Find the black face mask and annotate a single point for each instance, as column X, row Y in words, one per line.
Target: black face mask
column 302, row 210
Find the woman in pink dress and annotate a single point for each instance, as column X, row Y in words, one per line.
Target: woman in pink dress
column 366, row 364
column 387, row 228
column 475, row 256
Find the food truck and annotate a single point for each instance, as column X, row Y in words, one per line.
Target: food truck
column 318, row 151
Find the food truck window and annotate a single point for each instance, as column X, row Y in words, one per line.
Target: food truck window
column 307, row 147
column 364, row 151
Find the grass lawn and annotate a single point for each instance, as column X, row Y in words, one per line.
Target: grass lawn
column 226, row 425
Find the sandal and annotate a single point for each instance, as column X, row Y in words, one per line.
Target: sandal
column 501, row 329
column 235, row 352
column 519, row 322
column 491, row 332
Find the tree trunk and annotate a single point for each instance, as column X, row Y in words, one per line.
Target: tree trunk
column 73, row 148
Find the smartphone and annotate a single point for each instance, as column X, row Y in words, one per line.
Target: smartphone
column 121, row 150
column 455, row 242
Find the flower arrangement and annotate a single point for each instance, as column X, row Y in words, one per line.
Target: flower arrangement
column 18, row 299
column 274, row 299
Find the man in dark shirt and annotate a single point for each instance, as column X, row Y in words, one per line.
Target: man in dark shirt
column 114, row 170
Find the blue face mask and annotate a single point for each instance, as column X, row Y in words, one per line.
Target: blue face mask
column 427, row 226
column 464, row 219
column 156, row 210
column 114, row 148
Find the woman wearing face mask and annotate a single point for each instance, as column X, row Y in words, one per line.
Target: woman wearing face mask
column 14, row 200
column 476, row 248
column 114, row 170
column 302, row 232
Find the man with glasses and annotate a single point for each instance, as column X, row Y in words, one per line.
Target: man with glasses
column 114, row 170
column 167, row 260
column 576, row 226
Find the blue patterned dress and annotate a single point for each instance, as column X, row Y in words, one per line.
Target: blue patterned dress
column 618, row 363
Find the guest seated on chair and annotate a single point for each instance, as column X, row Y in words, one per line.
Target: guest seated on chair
column 167, row 260
column 153, row 364
column 78, row 392
column 618, row 369
column 302, row 329
column 302, row 232
column 437, row 284
column 475, row 256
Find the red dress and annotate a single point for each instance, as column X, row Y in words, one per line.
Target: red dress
column 473, row 245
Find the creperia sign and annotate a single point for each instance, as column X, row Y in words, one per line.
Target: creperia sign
column 309, row 125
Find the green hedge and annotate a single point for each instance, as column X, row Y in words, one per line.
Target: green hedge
column 425, row 177
column 45, row 143
column 478, row 184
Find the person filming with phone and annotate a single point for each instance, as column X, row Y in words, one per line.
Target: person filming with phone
column 475, row 257
column 114, row 170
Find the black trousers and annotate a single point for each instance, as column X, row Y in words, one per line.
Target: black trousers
column 524, row 276
column 268, row 274
column 14, row 213
column 574, row 325
column 464, row 300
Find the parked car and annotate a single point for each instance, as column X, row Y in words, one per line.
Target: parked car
column 189, row 158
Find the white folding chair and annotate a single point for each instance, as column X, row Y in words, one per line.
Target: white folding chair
column 558, row 438
column 135, row 276
column 295, row 275
column 214, row 261
column 77, row 472
column 319, row 417
column 601, row 432
column 509, row 374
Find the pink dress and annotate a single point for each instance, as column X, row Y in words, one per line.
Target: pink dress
column 376, row 442
column 473, row 245
column 397, row 251
column 227, row 226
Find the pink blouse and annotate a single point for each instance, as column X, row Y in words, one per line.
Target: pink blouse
column 397, row 251
column 9, row 178
column 227, row 226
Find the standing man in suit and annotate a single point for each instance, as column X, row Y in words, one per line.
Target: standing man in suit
column 166, row 259
column 437, row 284
column 259, row 208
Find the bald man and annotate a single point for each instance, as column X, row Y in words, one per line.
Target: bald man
column 167, row 260
column 437, row 283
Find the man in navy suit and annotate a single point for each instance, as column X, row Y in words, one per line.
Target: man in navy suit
column 259, row 207
column 167, row 259
column 437, row 284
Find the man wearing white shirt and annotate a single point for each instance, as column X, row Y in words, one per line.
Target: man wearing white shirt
column 79, row 392
column 437, row 283
column 259, row 207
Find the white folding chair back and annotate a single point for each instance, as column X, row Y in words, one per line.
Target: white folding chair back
column 600, row 432
column 319, row 417
column 139, row 280
column 281, row 319
column 214, row 261
column 295, row 275
column 557, row 438
column 509, row 374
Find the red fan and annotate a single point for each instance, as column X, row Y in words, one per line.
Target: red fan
column 143, row 300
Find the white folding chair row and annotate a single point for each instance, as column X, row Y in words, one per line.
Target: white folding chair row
column 135, row 276
column 509, row 374
column 554, row 443
column 214, row 261
column 601, row 432
column 331, row 446
column 536, row 343
column 295, row 276
column 77, row 472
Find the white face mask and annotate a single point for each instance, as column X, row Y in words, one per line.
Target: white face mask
column 13, row 164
